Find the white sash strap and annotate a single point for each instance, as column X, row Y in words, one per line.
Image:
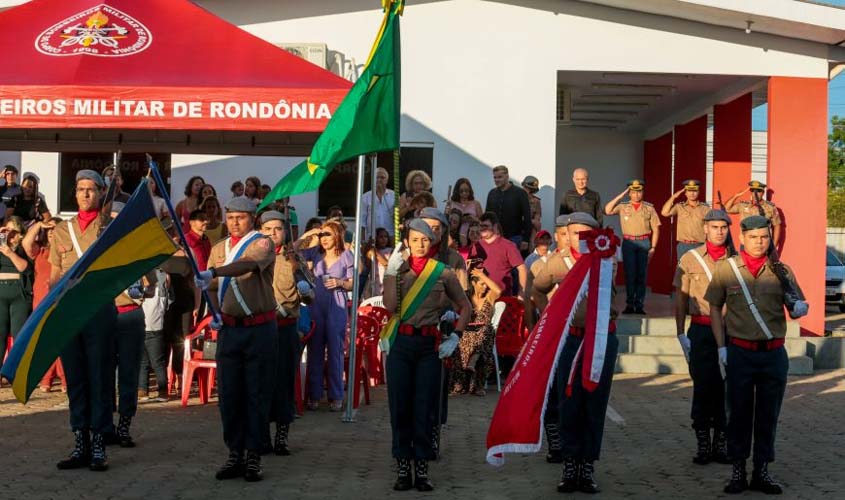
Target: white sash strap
column 751, row 305
column 230, row 254
column 74, row 239
column 703, row 265
column 569, row 262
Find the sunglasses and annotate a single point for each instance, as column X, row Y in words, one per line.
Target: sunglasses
column 324, row 234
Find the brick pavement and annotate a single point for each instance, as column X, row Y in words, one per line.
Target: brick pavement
column 647, row 457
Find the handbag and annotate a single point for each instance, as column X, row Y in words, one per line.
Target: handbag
column 209, row 349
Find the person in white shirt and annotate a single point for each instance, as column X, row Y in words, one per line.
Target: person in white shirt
column 384, row 200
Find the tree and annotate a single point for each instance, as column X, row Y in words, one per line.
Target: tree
column 836, row 173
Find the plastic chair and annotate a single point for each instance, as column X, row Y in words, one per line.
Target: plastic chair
column 368, row 330
column 206, row 369
column 374, row 358
column 498, row 310
column 300, row 404
column 9, row 343
column 373, row 301
column 511, row 332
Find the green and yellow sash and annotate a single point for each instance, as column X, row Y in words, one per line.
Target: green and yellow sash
column 411, row 302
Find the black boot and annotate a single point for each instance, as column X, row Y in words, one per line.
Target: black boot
column 569, row 477
column 252, row 471
column 702, row 456
column 234, row 466
column 554, row 456
column 98, row 453
column 80, row 456
column 124, row 439
column 281, row 446
column 719, row 451
column 435, row 442
column 761, row 481
column 739, row 481
column 586, row 482
column 421, row 480
column 403, row 481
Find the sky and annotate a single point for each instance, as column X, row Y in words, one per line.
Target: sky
column 836, row 101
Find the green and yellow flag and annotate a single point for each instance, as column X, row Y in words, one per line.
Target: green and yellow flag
column 366, row 121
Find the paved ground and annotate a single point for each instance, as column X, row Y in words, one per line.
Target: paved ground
column 646, row 457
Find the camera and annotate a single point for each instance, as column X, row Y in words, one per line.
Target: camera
column 3, row 239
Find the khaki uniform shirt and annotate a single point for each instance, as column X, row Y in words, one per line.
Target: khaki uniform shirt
column 636, row 222
column 256, row 287
column 284, row 286
column 747, row 209
column 690, row 220
column 446, row 289
column 766, row 292
column 548, row 274
column 691, row 279
column 62, row 253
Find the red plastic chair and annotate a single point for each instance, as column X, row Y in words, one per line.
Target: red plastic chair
column 9, row 343
column 511, row 334
column 300, row 405
column 368, row 330
column 205, row 369
column 374, row 358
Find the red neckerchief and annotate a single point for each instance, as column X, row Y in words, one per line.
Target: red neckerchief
column 636, row 205
column 575, row 253
column 716, row 251
column 86, row 217
column 278, row 250
column 753, row 263
column 233, row 240
column 417, row 264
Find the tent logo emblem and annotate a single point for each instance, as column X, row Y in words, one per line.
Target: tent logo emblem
column 101, row 31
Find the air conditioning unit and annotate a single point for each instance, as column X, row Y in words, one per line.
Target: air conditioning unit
column 564, row 106
column 315, row 53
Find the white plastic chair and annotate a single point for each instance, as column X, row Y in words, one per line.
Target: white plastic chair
column 373, row 301
column 498, row 310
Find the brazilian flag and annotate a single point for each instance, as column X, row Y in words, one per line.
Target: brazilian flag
column 133, row 244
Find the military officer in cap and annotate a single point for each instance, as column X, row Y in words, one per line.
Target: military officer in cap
column 289, row 293
column 87, row 358
column 413, row 363
column 582, row 413
column 690, row 216
column 640, row 233
column 692, row 278
column 747, row 208
column 750, row 340
column 241, row 275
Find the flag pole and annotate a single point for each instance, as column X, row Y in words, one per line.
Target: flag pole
column 183, row 241
column 372, row 227
column 356, row 268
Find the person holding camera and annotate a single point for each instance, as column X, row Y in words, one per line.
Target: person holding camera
column 16, row 277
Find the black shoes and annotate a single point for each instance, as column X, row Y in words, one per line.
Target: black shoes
column 252, row 470
column 760, row 480
column 586, row 482
column 80, row 456
column 234, row 467
column 739, row 481
column 640, row 311
column 281, row 446
column 421, row 480
column 569, row 477
column 629, row 310
column 702, row 456
column 554, row 456
column 123, row 437
column 98, row 454
column 403, row 481
column 719, row 451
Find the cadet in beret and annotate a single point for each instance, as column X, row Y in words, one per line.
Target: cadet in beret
column 750, row 340
column 690, row 216
column 747, row 208
column 87, row 358
column 241, row 276
column 640, row 233
column 692, row 277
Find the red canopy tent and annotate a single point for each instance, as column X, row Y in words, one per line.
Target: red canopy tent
column 162, row 65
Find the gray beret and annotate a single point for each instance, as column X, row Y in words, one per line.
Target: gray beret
column 562, row 220
column 583, row 218
column 272, row 215
column 754, row 222
column 91, row 176
column 420, row 226
column 715, row 214
column 433, row 213
column 240, row 204
column 117, row 206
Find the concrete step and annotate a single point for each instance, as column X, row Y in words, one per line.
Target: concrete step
column 676, row 364
column 668, row 344
column 665, row 325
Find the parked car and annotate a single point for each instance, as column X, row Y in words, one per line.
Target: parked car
column 834, row 281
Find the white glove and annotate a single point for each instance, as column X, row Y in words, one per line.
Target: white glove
column 304, row 288
column 800, row 309
column 723, row 360
column 448, row 346
column 384, row 345
column 449, row 316
column 395, row 261
column 203, row 280
column 685, row 344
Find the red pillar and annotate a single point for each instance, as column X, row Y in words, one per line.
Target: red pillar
column 797, row 178
column 657, row 175
column 691, row 154
column 732, row 151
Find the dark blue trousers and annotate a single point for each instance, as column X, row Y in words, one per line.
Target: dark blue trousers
column 756, row 382
column 635, row 260
column 89, row 372
column 126, row 359
column 283, row 407
column 683, row 248
column 245, row 367
column 708, row 388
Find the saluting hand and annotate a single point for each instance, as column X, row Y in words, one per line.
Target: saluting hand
column 678, row 193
